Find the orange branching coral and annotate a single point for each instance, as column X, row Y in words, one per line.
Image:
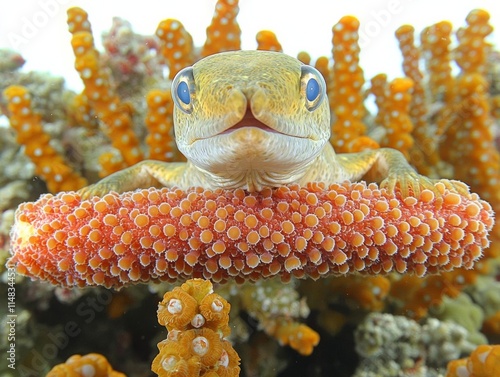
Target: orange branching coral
column 159, row 121
column 197, row 321
column 322, row 64
column 417, row 295
column 436, row 41
column 378, row 85
column 470, row 126
column 299, row 336
column 484, row 361
column 396, row 121
column 82, row 113
column 92, row 364
column 176, row 45
column 224, row 33
column 106, row 104
column 424, row 152
column 267, row 40
column 491, row 325
column 367, row 292
column 411, row 56
column 289, row 231
column 472, row 52
column 346, row 101
column 50, row 165
column 78, row 20
column 304, row 57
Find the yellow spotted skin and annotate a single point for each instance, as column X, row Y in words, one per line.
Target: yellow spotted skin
column 248, row 123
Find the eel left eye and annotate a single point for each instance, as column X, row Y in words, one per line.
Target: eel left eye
column 183, row 90
column 312, row 87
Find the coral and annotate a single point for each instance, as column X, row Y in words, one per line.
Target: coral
column 130, row 56
column 267, row 40
column 159, row 122
column 417, row 295
column 365, row 292
column 346, row 99
column 49, row 164
column 486, row 294
column 396, row 120
column 471, row 126
column 276, row 307
column 10, row 60
column 224, row 33
column 394, row 346
column 424, row 152
column 435, row 44
column 93, row 364
column 472, row 52
column 299, row 336
column 176, row 45
column 484, row 361
column 219, row 235
column 105, row 103
column 462, row 311
column 197, row 323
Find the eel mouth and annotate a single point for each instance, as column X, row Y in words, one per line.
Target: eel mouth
column 249, row 120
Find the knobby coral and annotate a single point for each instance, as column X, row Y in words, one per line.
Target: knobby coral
column 93, row 364
column 220, row 235
column 197, row 322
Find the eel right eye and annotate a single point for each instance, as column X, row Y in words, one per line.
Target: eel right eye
column 183, row 90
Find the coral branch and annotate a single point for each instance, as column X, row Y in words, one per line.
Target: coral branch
column 50, row 165
column 106, row 104
column 92, row 364
column 197, row 322
column 176, row 45
column 224, row 33
column 220, row 235
column 346, row 101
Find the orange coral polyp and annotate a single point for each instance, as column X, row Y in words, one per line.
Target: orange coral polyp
column 329, row 245
column 92, row 364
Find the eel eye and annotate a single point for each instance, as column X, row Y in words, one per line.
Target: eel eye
column 312, row 87
column 183, row 90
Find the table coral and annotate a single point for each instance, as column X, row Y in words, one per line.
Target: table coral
column 197, row 322
column 219, row 235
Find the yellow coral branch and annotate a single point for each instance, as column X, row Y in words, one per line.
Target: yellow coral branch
column 50, row 165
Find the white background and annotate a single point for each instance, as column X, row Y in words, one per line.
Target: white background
column 299, row 25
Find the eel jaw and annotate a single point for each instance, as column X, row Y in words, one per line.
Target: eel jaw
column 248, row 120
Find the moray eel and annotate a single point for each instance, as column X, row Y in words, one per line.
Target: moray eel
column 255, row 119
